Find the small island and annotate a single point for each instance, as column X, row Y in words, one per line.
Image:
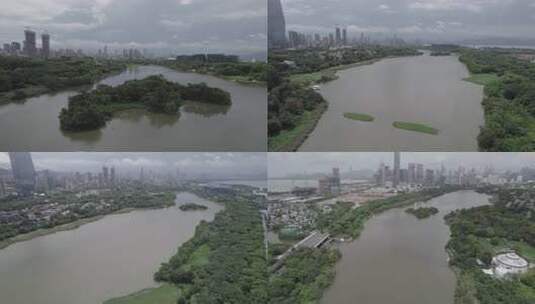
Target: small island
column 359, row 116
column 192, row 207
column 416, row 127
column 423, row 212
column 91, row 110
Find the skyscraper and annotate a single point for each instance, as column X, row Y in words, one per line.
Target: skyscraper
column 276, row 25
column 45, row 38
column 396, row 178
column 23, row 172
column 344, row 36
column 338, row 36
column 30, row 47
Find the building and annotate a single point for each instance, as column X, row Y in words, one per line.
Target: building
column 344, row 36
column 23, row 172
column 411, row 178
column 396, row 178
column 276, row 25
column 509, row 263
column 30, row 45
column 420, row 173
column 45, row 40
column 330, row 185
column 338, row 36
column 112, row 176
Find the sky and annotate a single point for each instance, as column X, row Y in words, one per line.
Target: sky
column 448, row 20
column 283, row 164
column 180, row 26
column 212, row 165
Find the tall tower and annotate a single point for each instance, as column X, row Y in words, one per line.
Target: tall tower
column 45, row 39
column 23, row 172
column 397, row 158
column 112, row 176
column 276, row 25
column 338, row 36
column 344, row 36
column 30, row 47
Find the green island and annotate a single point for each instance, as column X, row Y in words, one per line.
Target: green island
column 89, row 111
column 359, row 116
column 423, row 212
column 224, row 262
column 227, row 67
column 76, row 211
column 509, row 101
column 294, row 107
column 415, row 127
column 478, row 234
column 21, row 77
column 192, row 207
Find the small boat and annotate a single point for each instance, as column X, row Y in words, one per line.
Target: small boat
column 316, row 87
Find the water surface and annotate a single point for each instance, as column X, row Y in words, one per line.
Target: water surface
column 111, row 257
column 422, row 89
column 34, row 124
column 400, row 259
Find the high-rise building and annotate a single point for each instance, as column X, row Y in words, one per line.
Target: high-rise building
column 105, row 176
column 420, row 173
column 412, row 173
column 112, row 176
column 344, row 36
column 396, row 177
column 30, row 46
column 276, row 25
column 45, row 39
column 23, row 172
column 338, row 36
column 15, row 47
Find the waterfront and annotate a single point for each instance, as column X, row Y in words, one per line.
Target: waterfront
column 239, row 127
column 401, row 254
column 111, row 257
column 422, row 89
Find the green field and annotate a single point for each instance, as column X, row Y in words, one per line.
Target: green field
column 165, row 294
column 290, row 140
column 416, row 127
column 359, row 116
column 482, row 79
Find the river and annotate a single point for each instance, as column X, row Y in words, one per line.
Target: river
column 34, row 124
column 111, row 257
column 421, row 89
column 400, row 259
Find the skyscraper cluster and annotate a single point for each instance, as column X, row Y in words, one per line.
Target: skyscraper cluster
column 276, row 25
column 29, row 45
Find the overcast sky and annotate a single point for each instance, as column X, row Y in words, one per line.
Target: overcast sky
column 282, row 164
column 427, row 19
column 217, row 165
column 183, row 26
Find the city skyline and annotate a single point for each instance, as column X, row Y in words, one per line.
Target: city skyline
column 169, row 26
column 210, row 165
column 286, row 164
column 471, row 21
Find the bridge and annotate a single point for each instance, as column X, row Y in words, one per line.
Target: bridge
column 315, row 239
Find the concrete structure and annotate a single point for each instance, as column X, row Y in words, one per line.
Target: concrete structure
column 397, row 159
column 45, row 40
column 276, row 25
column 509, row 263
column 30, row 45
column 23, row 172
column 330, row 185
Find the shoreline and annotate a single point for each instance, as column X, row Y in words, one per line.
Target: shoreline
column 66, row 227
column 262, row 84
column 308, row 127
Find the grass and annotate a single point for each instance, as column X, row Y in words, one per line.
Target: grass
column 291, row 140
column 482, row 79
column 165, row 294
column 359, row 116
column 416, row 127
column 198, row 258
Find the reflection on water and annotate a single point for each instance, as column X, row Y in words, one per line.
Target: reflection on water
column 399, row 258
column 200, row 127
column 423, row 89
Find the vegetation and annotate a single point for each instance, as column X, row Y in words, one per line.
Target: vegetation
column 89, row 111
column 165, row 294
column 477, row 235
column 482, row 79
column 224, row 66
column 22, row 77
column 224, row 262
column 192, row 206
column 423, row 212
column 416, row 127
column 294, row 108
column 509, row 102
column 359, row 116
column 306, row 273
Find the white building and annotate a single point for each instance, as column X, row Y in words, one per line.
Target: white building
column 509, row 263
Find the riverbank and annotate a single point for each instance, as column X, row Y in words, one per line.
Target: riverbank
column 66, row 227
